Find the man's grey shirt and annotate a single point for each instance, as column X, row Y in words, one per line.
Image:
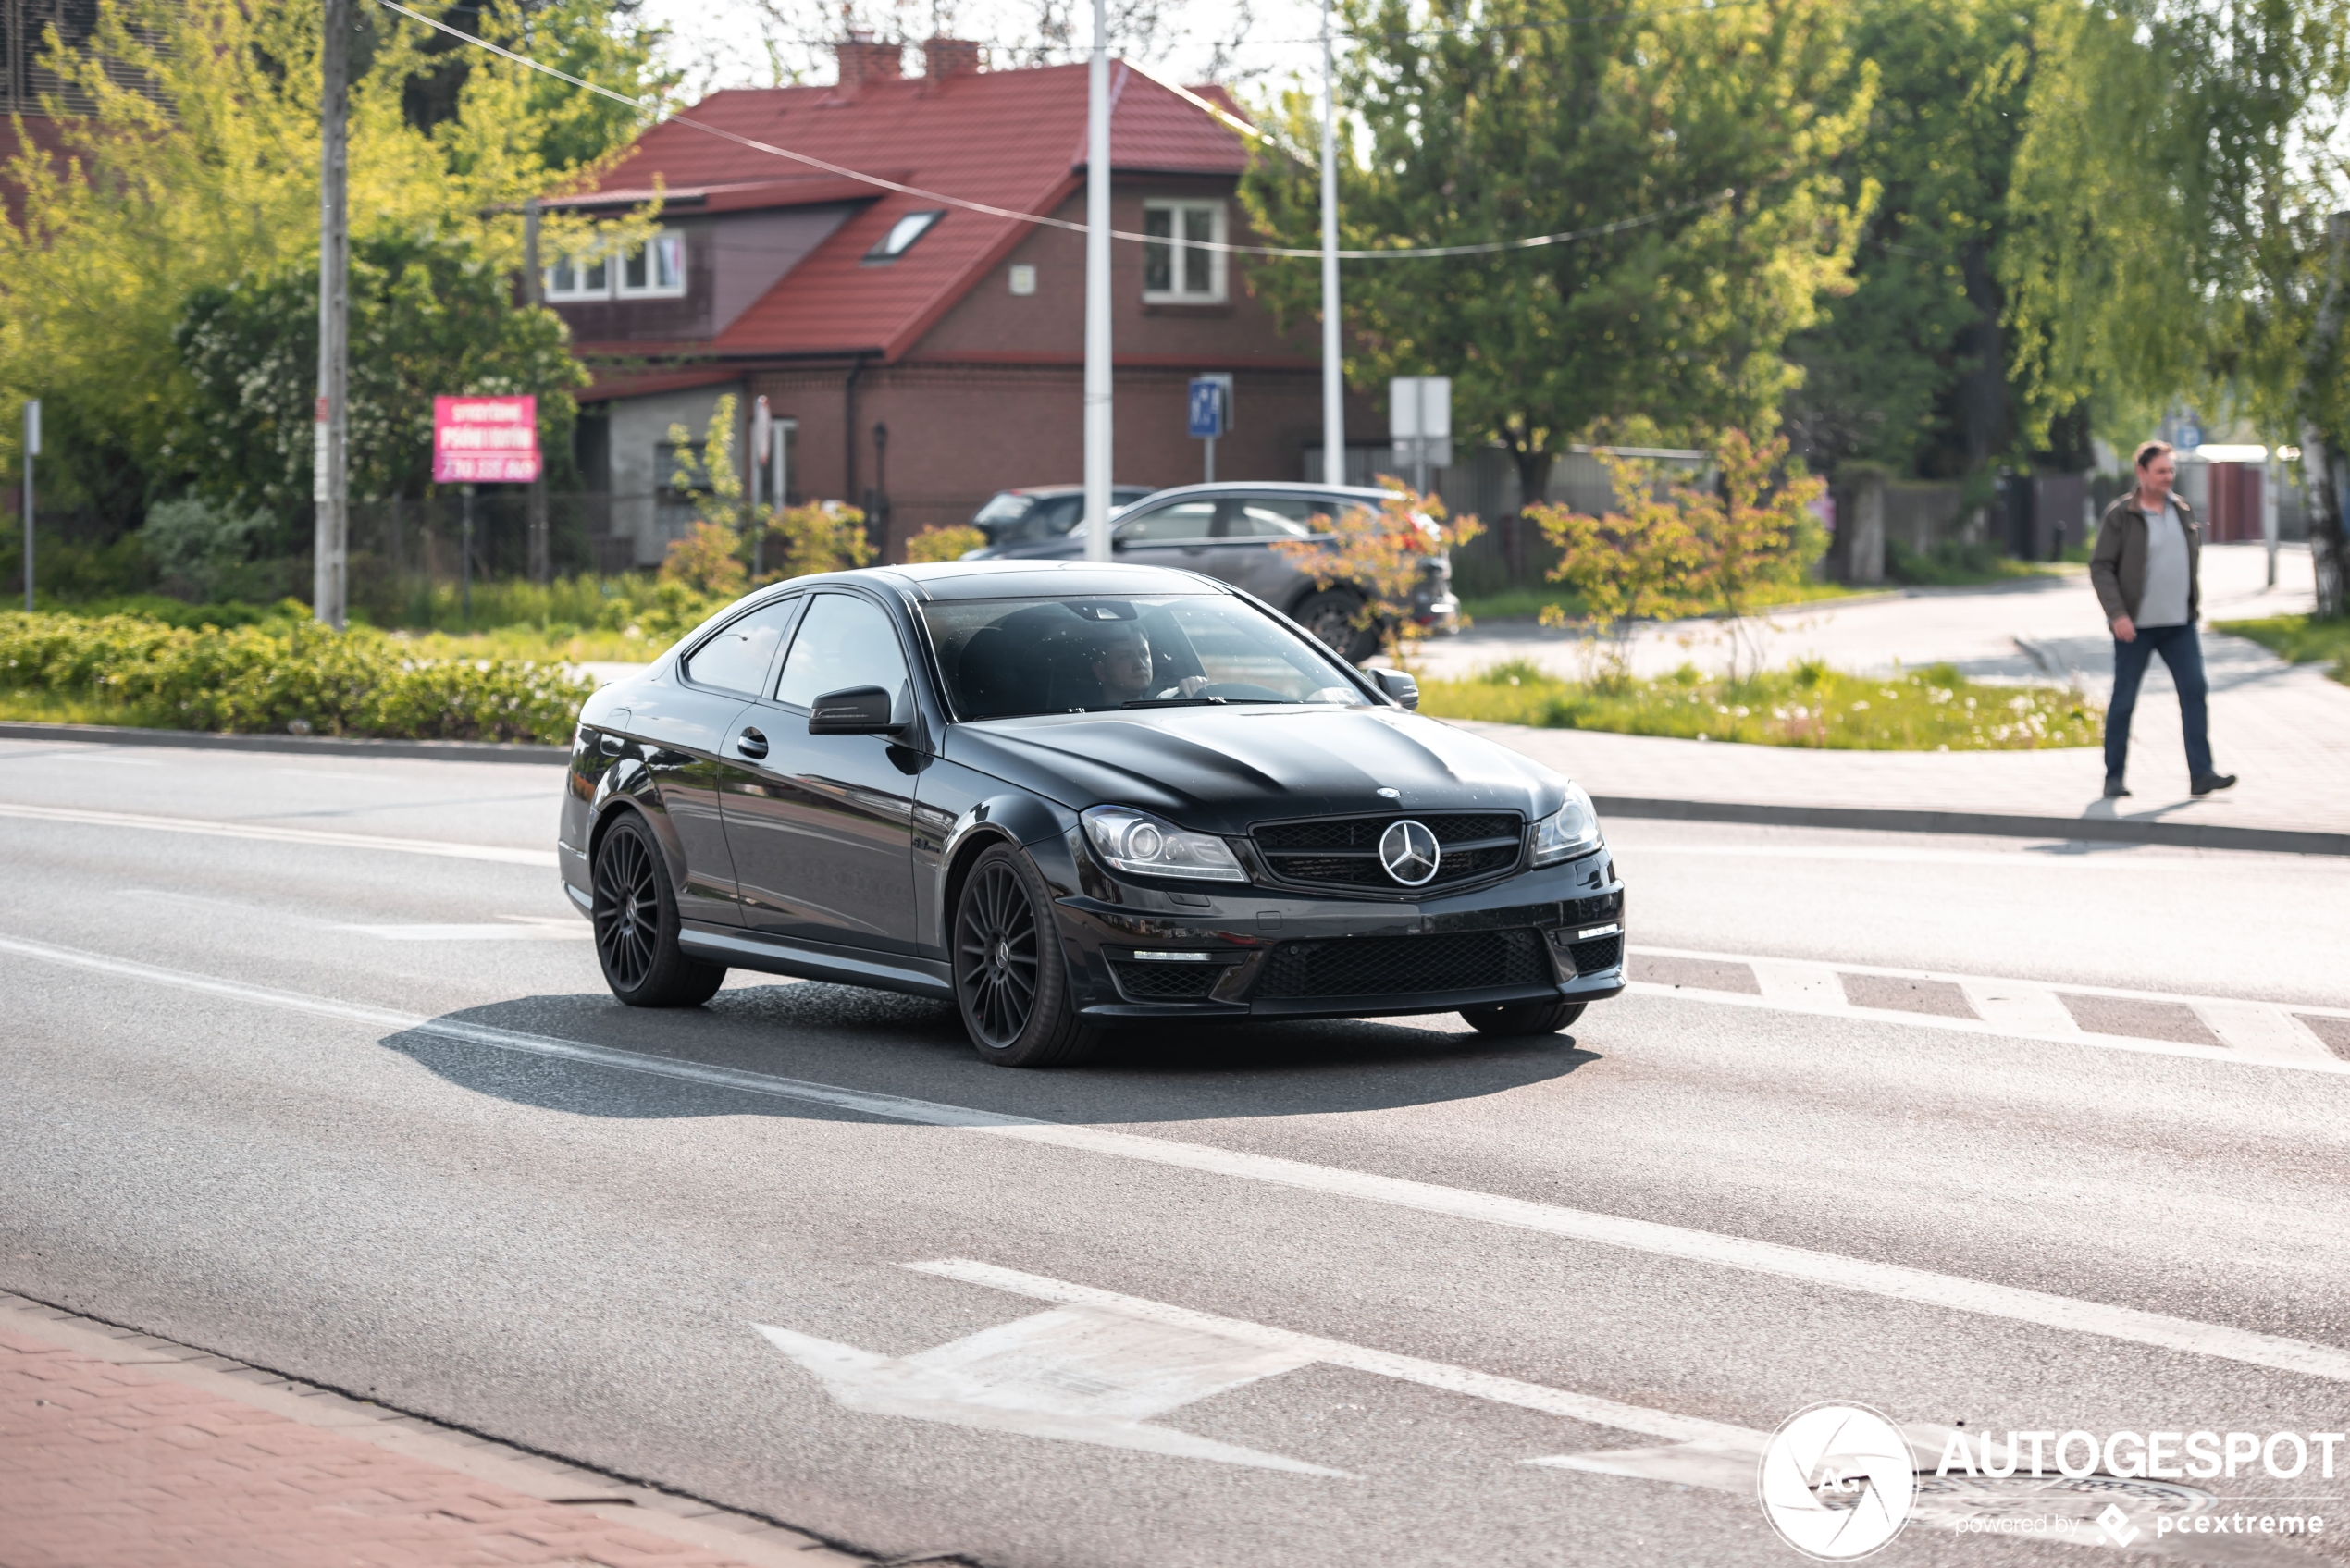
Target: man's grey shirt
column 2164, row 602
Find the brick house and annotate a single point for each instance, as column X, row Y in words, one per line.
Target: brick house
column 926, row 356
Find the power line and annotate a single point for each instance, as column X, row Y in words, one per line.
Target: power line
column 1413, row 252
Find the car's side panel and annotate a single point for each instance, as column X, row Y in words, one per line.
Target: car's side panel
column 680, row 729
column 956, row 809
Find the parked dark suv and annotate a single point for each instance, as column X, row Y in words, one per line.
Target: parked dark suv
column 1229, row 531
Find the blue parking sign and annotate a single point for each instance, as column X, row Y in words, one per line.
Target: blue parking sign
column 1207, row 411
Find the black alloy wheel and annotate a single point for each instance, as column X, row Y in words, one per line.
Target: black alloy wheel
column 1334, row 617
column 1011, row 980
column 1513, row 1019
column 635, row 917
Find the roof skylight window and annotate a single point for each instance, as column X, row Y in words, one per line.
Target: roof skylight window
column 902, row 235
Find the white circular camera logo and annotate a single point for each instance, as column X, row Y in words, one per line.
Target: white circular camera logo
column 1836, row 1481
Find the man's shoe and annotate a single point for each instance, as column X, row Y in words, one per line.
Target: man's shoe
column 2115, row 789
column 2210, row 782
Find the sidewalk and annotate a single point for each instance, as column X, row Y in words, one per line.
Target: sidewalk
column 120, row 1451
column 2284, row 729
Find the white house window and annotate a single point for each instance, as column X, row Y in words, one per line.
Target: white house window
column 654, row 270
column 902, row 235
column 579, row 277
column 1178, row 267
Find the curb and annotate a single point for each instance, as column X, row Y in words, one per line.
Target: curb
column 2115, row 830
column 315, row 745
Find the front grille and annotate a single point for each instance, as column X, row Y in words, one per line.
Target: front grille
column 1396, row 966
column 1165, row 982
column 1599, row 954
column 1342, row 852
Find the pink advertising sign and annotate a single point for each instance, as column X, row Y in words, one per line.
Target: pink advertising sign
column 485, row 440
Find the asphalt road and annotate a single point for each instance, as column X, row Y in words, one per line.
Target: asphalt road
column 308, row 1062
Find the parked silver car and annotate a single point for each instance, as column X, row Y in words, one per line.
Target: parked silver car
column 1229, row 531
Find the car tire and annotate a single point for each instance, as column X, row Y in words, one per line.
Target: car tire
column 1515, row 1019
column 637, row 925
column 1011, row 979
column 1332, row 616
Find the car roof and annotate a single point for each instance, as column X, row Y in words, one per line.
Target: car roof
column 1024, row 579
column 1369, row 493
column 1043, row 492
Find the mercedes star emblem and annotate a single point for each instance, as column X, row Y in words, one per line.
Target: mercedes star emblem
column 1409, row 852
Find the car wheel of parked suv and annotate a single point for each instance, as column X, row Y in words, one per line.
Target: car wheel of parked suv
column 1514, row 1019
column 1011, row 979
column 1333, row 615
column 635, row 917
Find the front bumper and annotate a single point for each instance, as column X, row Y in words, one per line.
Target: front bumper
column 1215, row 952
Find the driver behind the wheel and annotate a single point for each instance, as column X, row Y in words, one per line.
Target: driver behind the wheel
column 1122, row 664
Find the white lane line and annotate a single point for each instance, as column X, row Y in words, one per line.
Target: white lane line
column 2020, row 1007
column 498, row 853
column 1802, row 985
column 1894, row 1280
column 1963, row 980
column 521, row 928
column 2261, row 1029
column 1337, row 1352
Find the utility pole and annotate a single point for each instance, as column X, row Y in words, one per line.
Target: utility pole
column 331, row 433
column 542, row 566
column 32, row 450
column 1098, row 332
column 1333, row 367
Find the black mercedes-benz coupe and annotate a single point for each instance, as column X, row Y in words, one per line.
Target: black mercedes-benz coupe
column 1071, row 796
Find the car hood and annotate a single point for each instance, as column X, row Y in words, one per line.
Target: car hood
column 1219, row 770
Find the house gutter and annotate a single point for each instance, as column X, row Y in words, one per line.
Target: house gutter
column 848, row 426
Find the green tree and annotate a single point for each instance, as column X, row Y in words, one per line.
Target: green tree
column 1708, row 135
column 207, row 176
column 2170, row 225
column 1911, row 369
column 428, row 318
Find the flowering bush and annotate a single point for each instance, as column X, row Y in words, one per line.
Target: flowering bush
column 288, row 675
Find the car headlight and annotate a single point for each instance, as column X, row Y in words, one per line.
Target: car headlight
column 1135, row 841
column 1570, row 830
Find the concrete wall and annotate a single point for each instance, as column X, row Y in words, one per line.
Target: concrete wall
column 637, row 430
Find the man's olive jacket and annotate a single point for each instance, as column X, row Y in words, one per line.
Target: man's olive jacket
column 2118, row 564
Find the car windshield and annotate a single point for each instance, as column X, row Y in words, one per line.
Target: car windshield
column 1007, row 657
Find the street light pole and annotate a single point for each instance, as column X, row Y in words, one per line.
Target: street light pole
column 1334, row 382
column 331, row 478
column 1098, row 332
column 542, row 568
column 32, row 450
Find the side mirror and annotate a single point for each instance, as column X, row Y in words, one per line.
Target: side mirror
column 1399, row 684
column 859, row 710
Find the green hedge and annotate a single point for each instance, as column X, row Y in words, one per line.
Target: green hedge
column 286, row 676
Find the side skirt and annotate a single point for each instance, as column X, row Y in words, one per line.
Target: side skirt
column 816, row 960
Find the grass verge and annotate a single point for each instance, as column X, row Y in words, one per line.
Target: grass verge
column 2303, row 639
column 1935, row 709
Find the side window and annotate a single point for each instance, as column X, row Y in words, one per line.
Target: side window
column 738, row 658
column 1261, row 518
column 845, row 642
column 1181, row 521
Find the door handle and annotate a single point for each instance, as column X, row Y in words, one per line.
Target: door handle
column 752, row 744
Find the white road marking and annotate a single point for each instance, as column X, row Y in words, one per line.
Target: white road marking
column 520, row 928
column 2267, row 1035
column 1802, row 985
column 2263, row 1030
column 1077, row 1374
column 498, row 853
column 1337, row 1352
column 1896, row 1281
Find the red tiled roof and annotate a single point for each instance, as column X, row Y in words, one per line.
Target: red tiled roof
column 1009, row 139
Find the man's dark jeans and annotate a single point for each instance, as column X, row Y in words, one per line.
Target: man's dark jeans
column 2182, row 651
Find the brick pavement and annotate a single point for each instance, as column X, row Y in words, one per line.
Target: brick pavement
column 106, row 1465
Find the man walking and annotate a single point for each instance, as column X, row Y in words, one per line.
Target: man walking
column 2144, row 571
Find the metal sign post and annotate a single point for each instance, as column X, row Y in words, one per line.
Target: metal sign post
column 1100, row 455
column 1419, row 419
column 32, row 450
column 761, row 427
column 1209, row 407
column 331, row 433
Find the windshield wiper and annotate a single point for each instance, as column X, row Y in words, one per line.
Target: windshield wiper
column 1196, row 701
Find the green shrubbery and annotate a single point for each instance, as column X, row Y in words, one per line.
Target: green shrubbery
column 282, row 675
column 1935, row 709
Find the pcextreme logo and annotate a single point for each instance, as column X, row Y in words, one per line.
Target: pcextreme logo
column 1836, row 1481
